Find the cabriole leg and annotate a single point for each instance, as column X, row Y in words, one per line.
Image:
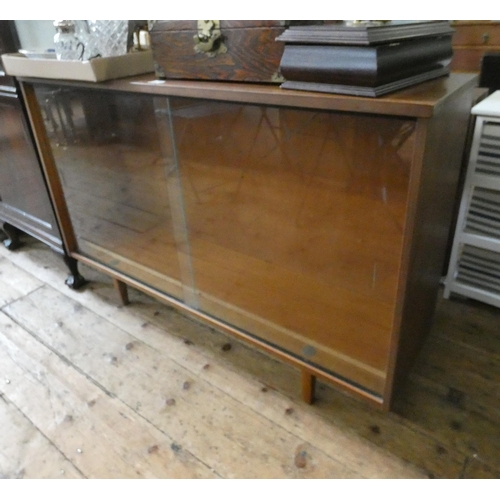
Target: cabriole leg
column 75, row 280
column 12, row 242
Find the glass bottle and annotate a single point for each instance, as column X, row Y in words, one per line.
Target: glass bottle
column 68, row 46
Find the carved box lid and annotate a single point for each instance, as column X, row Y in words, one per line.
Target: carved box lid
column 364, row 32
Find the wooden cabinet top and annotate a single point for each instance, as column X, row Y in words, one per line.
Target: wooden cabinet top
column 474, row 23
column 418, row 101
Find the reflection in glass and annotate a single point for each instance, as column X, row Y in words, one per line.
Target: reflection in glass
column 285, row 223
column 294, row 219
column 108, row 156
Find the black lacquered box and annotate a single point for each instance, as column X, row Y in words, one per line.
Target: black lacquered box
column 366, row 58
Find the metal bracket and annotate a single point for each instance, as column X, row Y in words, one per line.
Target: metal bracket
column 208, row 40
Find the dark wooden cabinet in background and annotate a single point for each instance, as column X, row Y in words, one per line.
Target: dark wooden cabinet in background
column 473, row 39
column 9, row 42
column 24, row 200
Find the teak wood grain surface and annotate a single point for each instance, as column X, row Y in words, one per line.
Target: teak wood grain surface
column 419, row 101
column 89, row 389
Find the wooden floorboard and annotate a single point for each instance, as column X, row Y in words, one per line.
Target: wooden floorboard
column 26, row 452
column 99, row 390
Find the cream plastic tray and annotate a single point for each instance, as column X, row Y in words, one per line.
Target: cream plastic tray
column 95, row 70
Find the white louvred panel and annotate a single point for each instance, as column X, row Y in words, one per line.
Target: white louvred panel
column 483, row 216
column 479, row 268
column 488, row 155
column 474, row 267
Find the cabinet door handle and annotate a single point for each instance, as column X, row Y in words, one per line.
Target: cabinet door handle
column 486, row 37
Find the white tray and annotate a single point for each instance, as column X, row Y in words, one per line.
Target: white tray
column 95, row 70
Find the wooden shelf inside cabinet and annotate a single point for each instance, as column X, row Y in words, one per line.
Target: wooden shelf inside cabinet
column 311, row 226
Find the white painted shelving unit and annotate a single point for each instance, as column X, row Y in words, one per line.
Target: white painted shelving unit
column 474, row 269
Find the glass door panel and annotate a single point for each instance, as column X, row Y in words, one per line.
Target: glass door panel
column 295, row 222
column 107, row 151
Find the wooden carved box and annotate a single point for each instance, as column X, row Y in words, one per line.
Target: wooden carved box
column 218, row 50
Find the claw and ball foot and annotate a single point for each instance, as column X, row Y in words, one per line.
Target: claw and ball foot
column 75, row 280
column 12, row 242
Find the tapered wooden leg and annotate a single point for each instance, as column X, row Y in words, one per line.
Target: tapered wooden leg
column 12, row 241
column 75, row 280
column 122, row 290
column 308, row 387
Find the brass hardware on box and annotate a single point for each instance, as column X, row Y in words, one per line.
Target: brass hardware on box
column 208, row 40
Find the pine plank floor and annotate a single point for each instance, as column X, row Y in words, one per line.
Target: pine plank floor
column 92, row 389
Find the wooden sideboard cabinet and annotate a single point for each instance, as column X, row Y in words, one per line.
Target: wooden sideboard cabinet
column 24, row 199
column 313, row 226
column 472, row 39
